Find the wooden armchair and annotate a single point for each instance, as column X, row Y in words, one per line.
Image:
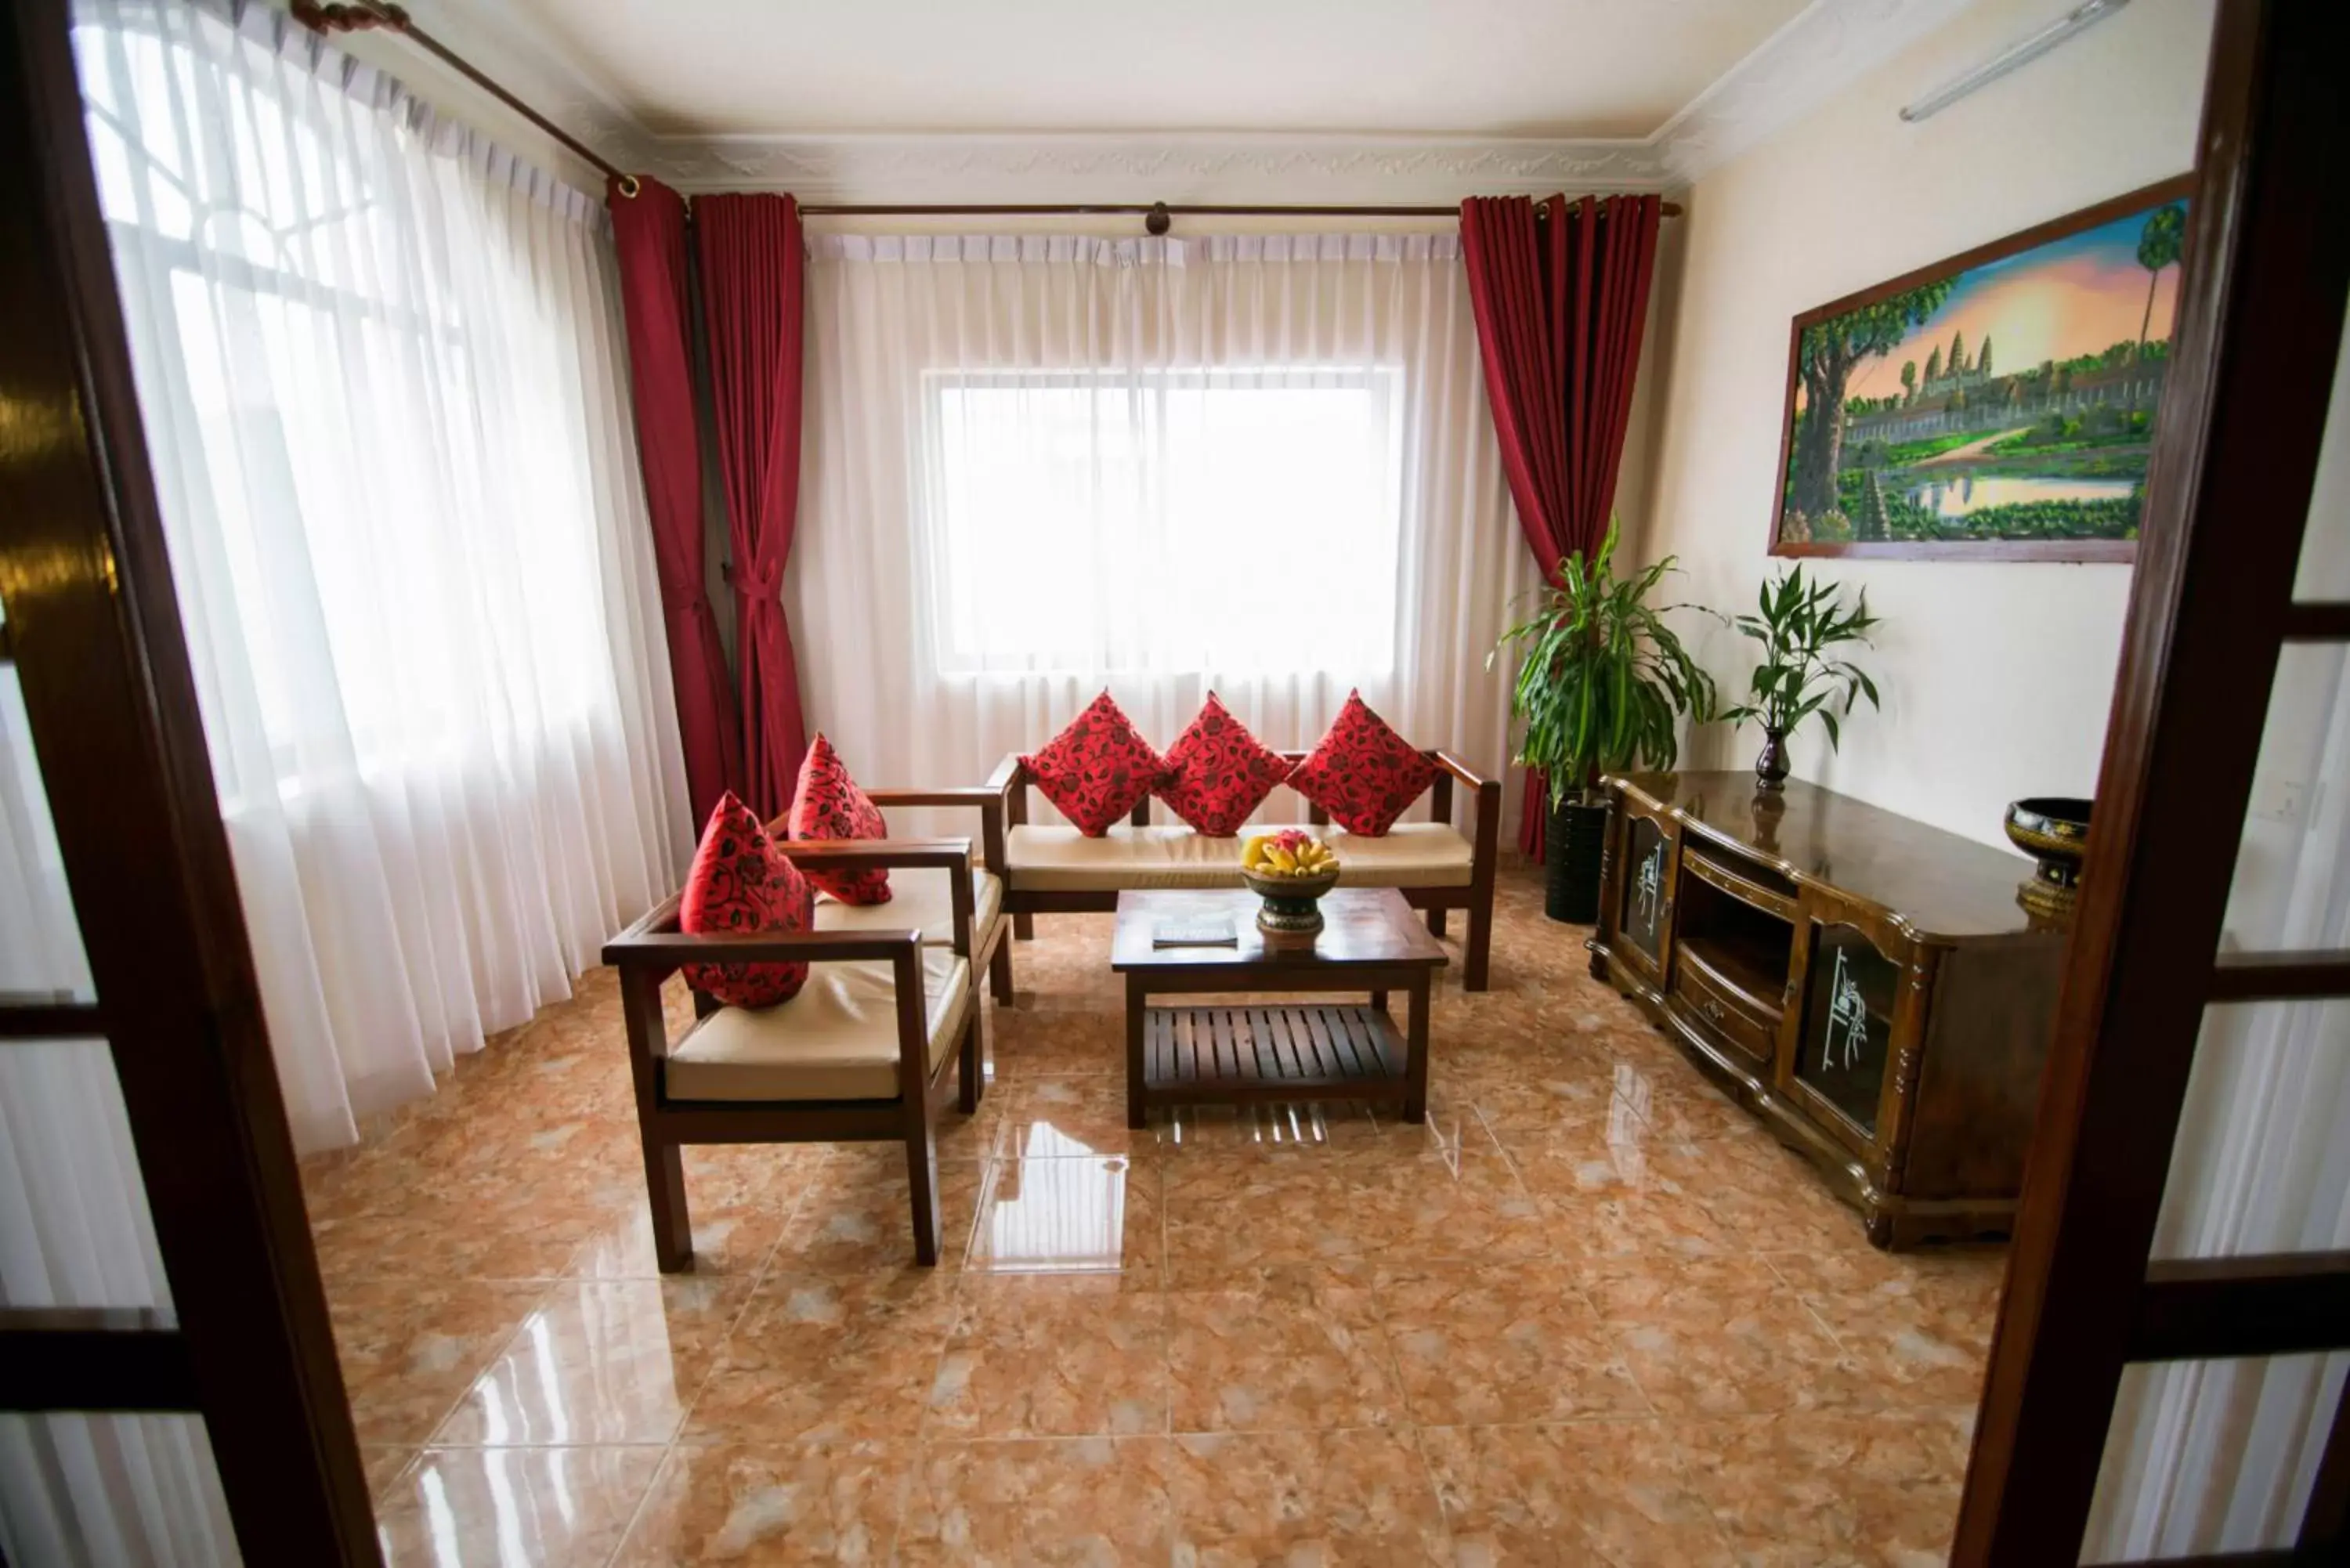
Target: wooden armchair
column 860, row 1055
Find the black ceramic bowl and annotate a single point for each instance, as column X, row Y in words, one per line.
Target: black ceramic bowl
column 2049, row 827
column 2054, row 831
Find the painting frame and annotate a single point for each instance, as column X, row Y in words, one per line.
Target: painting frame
column 2177, row 188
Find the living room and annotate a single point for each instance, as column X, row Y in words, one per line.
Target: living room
column 1290, row 785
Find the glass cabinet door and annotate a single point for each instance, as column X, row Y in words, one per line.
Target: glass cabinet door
column 1642, row 918
column 1847, row 1022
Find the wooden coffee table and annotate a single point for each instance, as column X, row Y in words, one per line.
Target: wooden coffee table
column 1290, row 1051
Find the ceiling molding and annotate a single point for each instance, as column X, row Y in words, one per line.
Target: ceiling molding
column 1828, row 42
column 1793, row 71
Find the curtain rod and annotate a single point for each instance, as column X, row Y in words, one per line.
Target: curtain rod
column 1155, row 216
column 368, row 16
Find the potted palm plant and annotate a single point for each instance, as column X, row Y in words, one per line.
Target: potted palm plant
column 1602, row 683
column 1798, row 623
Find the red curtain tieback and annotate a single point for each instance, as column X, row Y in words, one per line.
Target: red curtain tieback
column 759, row 587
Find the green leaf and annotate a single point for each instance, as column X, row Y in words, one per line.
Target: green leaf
column 1601, row 678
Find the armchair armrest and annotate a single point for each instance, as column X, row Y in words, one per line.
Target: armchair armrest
column 655, row 954
column 952, row 854
column 992, row 799
column 1485, row 821
column 1457, row 768
column 971, row 794
column 1011, row 776
column 859, row 854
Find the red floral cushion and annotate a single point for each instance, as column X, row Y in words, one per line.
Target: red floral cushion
column 741, row 882
column 828, row 805
column 1217, row 773
column 1098, row 769
column 1363, row 773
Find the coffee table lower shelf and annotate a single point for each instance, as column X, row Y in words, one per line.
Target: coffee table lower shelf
column 1234, row 1056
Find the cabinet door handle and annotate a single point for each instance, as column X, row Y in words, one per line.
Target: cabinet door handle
column 1711, row 1008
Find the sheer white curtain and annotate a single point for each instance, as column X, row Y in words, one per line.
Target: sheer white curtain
column 379, row 365
column 102, row 1491
column 1039, row 465
column 2207, row 1456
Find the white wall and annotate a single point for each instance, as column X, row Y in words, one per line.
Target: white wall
column 1996, row 677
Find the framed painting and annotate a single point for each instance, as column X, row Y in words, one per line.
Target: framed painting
column 1999, row 405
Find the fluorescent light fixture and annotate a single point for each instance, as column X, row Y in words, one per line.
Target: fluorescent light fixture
column 2022, row 52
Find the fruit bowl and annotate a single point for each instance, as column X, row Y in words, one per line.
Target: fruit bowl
column 2054, row 831
column 1289, row 870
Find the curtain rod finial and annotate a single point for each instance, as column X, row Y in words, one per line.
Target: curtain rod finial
column 629, row 185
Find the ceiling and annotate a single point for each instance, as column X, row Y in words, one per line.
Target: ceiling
column 1496, row 67
column 1329, row 100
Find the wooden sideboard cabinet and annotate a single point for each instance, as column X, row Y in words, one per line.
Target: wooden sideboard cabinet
column 1866, row 984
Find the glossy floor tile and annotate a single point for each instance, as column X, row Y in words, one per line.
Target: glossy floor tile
column 545, row 1507
column 1586, row 1313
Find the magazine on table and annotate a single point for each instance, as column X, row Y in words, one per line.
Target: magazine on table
column 1194, row 931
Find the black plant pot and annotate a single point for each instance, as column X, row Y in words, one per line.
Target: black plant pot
column 1771, row 767
column 1570, row 855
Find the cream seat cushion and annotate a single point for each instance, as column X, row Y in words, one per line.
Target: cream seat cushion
column 1408, row 855
column 836, row 1040
column 1061, row 859
column 920, row 899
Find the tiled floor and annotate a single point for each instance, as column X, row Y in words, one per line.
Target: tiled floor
column 1588, row 1314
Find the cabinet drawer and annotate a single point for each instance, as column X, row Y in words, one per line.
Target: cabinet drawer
column 1698, row 992
column 1743, row 888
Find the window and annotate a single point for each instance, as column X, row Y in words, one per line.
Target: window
column 1210, row 521
column 369, row 429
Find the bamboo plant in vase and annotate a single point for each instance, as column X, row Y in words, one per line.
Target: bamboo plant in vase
column 1798, row 623
column 1601, row 687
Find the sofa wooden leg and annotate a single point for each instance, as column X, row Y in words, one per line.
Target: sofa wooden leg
column 1479, row 946
column 999, row 973
column 971, row 1069
column 1023, row 926
column 673, row 1226
column 1436, row 921
column 923, row 1180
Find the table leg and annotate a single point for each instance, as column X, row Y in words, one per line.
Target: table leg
column 1135, row 1007
column 1415, row 1061
column 1380, row 1000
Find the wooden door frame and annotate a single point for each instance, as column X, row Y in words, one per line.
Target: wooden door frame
column 2263, row 293
column 93, row 628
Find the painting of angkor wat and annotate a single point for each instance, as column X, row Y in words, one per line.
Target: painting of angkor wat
column 1997, row 404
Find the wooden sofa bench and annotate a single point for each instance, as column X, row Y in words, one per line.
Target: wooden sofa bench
column 1057, row 870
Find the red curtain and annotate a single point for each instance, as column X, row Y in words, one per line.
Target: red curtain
column 648, row 229
column 1561, row 304
column 753, row 268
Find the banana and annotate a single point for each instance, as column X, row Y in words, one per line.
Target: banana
column 1287, row 853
